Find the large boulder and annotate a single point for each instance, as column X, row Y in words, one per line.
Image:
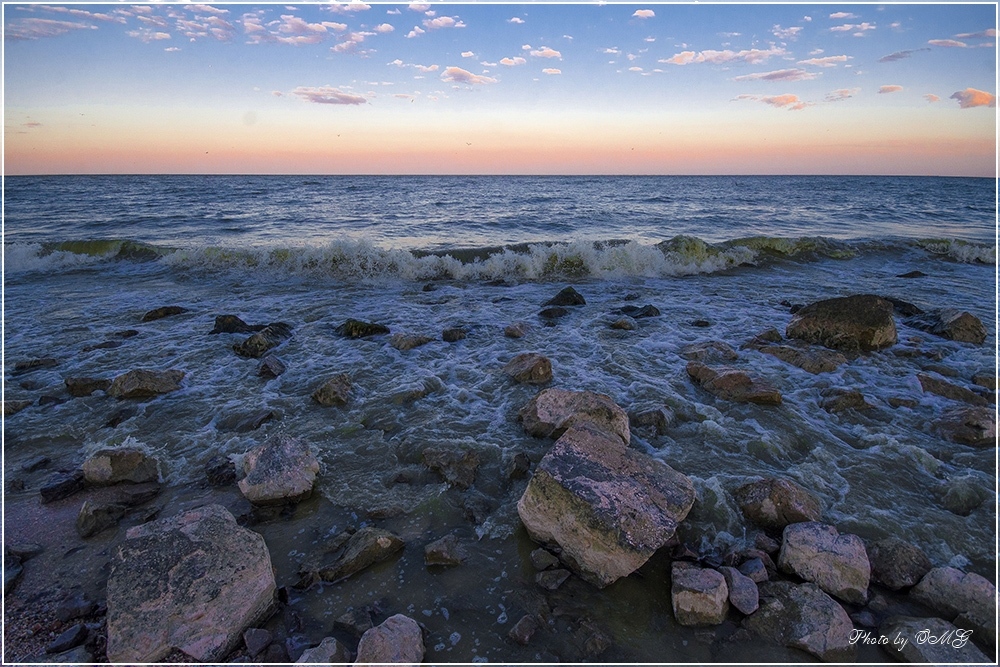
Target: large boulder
column 529, row 368
column 279, row 470
column 862, row 322
column 836, row 563
column 773, row 503
column 699, row 596
column 125, row 464
column 552, row 411
column 803, row 617
column 897, row 564
column 965, row 595
column 607, row 507
column 193, row 582
column 733, row 385
column 398, row 640
column 143, row 383
column 950, row 323
column 908, row 639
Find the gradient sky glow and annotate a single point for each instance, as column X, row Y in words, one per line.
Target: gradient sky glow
column 500, row 88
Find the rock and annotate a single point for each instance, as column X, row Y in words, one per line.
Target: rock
column 256, row 640
column 397, row 640
column 50, row 400
column 124, row 464
column 949, row 390
column 773, row 503
column 404, row 342
column 258, row 344
column 699, row 596
column 77, row 656
column 516, row 330
column 12, row 570
column 363, row 549
column 591, row 639
column 356, row 621
column 275, row 653
column 701, row 323
column 280, row 470
column 142, row 383
column 743, row 594
column 636, row 312
column 803, row 617
column 710, row 350
column 552, row 411
column 193, row 582
column 13, row 407
column 358, row 329
column 81, row 387
column 950, row 592
column 444, row 551
column 518, row 466
column 524, row 630
column 551, row 580
column 625, row 324
column 220, row 471
column 61, row 485
column 837, row 399
column 329, row 651
column 120, row 416
column 529, row 368
column 75, row 606
column 904, row 308
column 606, row 506
column 754, row 570
column 244, row 423
column 22, row 367
column 962, row 495
column 233, row 324
column 902, row 402
column 334, row 391
column 453, row 335
column 969, row 426
column 71, row 638
column 855, row 323
column 836, row 563
column 765, row 337
column 97, row 517
column 912, row 274
column 811, row 361
column 909, row 639
column 658, row 419
column 553, row 313
column 161, row 312
column 25, row 551
column 270, row 367
column 985, row 379
column 732, row 385
column 896, row 564
column 543, row 560
column 457, row 466
column 952, row 324
column 566, row 297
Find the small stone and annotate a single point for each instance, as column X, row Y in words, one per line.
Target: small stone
column 270, row 367
column 625, row 324
column 258, row 344
column 553, row 411
column 699, row 596
column 397, row 640
column 567, row 297
column 542, row 559
column 404, row 342
column 161, row 312
column 71, row 638
column 276, row 654
column 974, row 426
column 444, row 551
column 952, row 324
column 61, row 485
column 912, row 274
column 453, row 335
column 75, row 606
column 50, row 400
column 363, row 549
column 25, row 551
column 519, row 466
column 963, row 495
column 335, row 391
column 897, row 564
column 358, row 329
column 256, row 640
column 856, row 323
column 865, row 619
column 636, row 312
column 329, row 651
column 524, row 630
column 516, row 330
column 836, row 399
column 710, row 350
column 97, row 517
column 754, row 569
column 529, row 368
column 244, row 423
column 84, row 386
column 743, row 593
column 355, row 621
column 550, row 580
column 233, row 324
column 143, row 383
column 733, row 385
column 902, row 402
column 701, row 323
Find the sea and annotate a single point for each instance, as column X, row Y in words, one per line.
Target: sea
column 721, row 258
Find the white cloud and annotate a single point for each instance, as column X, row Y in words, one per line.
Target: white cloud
column 443, row 22
column 551, row 70
column 950, row 43
column 752, row 56
column 515, row 20
column 148, row 35
column 459, row 75
column 417, row 30
column 513, row 62
column 468, row 54
column 418, row 7
column 383, row 28
column 836, row 16
column 427, row 68
column 546, row 52
column 828, row 61
column 982, row 34
column 786, row 33
column 643, row 14
column 635, row 69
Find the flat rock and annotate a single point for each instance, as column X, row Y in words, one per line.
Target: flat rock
column 713, row 351
column 13, row 407
column 552, row 411
column 951, row 592
column 952, row 324
column 95, row 517
column 773, row 503
column 193, row 582
column 233, row 324
column 329, row 651
column 260, row 343
column 529, row 368
column 836, row 563
column 699, row 596
column 71, row 638
column 342, row 559
column 975, row 426
column 810, row 360
column 803, row 617
column 568, row 296
column 143, row 383
column 61, row 485
column 123, row 464
column 743, row 593
column 733, row 385
column 29, row 365
column 404, row 342
column 838, row 399
column 85, row 386
column 606, row 506
column 457, row 466
column 280, row 470
column 908, row 641
column 359, row 329
column 444, row 551
column 861, row 322
column 161, row 312
column 398, row 640
column 954, row 392
column 335, row 391
column 896, row 564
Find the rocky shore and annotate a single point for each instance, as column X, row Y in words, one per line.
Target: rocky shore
column 197, row 582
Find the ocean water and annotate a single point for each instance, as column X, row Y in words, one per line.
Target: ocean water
column 85, row 257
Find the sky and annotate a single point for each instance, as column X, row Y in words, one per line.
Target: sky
column 443, row 88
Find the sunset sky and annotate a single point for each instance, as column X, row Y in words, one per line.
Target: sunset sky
column 500, row 88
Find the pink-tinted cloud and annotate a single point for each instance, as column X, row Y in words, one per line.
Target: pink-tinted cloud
column 83, row 14
column 208, row 9
column 328, row 95
column 786, row 101
column 970, row 97
column 384, row 27
column 751, row 56
column 891, row 88
column 418, row 7
column 468, row 54
column 842, row 94
column 796, row 74
column 459, row 75
column 546, row 52
column 426, row 68
column 551, row 70
column 346, row 8
column 859, row 28
column 643, row 14
column 513, row 62
column 32, row 28
column 826, row 61
column 982, row 34
column 931, row 97
column 948, row 43
column 148, row 36
column 837, row 16
column 443, row 22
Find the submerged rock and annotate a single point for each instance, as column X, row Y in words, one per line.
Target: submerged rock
column 161, row 312
column 897, row 564
column 552, row 411
column 350, row 554
column 143, row 383
column 773, row 503
column 85, row 386
column 358, row 329
column 516, row 330
column 61, row 485
column 710, row 350
column 606, row 506
column 444, row 551
column 553, row 313
column 97, row 517
column 257, row 345
column 22, row 367
column 529, row 368
column 524, row 630
column 233, row 324
column 13, row 407
column 636, row 312
column 836, row 563
column 398, row 640
column 733, row 385
column 404, row 342
column 454, row 334
column 334, row 391
column 625, row 324
column 810, row 360
column 278, row 471
column 861, row 322
column 457, row 466
column 698, row 596
column 969, row 426
column 952, row 324
column 193, row 582
column 837, row 399
column 952, row 391
column 658, row 419
column 270, row 367
column 566, row 297
column 124, row 464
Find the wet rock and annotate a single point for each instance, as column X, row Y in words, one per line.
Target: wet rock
column 334, row 391
column 542, row 559
column 50, row 400
column 367, row 546
column 280, row 470
column 258, row 344
column 233, row 324
column 529, row 368
column 22, row 367
column 161, row 312
column 120, row 416
column 518, row 466
column 625, row 324
column 244, row 423
column 985, row 379
column 803, row 617
column 61, row 485
column 953, row 645
column 397, row 640
column 220, row 471
column 963, row 495
column 591, row 639
column 457, row 466
column 84, row 386
column 143, row 383
column 636, row 312
column 75, row 606
column 701, row 323
column 836, row 563
column 25, row 551
column 71, row 638
column 270, row 367
column 951, row 592
column 444, row 551
column 124, row 464
column 359, row 329
column 552, row 411
column 95, row 517
column 948, row 390
column 551, row 580
column 657, row 419
column 837, row 399
column 275, row 653
column 256, row 640
column 13, row 407
column 198, row 561
column 773, row 503
column 36, row 463
column 12, row 569
column 912, row 274
column 733, row 385
column 902, row 402
column 566, row 297
column 896, row 564
column 356, row 621
column 453, row 335
column 329, row 651
column 904, row 308
column 404, row 342
column 698, row 596
column 524, row 630
column 516, row 330
column 856, row 323
column 754, row 570
column 743, row 594
column 553, row 313
column 952, row 324
column 812, row 361
column 713, row 351
column 969, row 426
column 606, row 506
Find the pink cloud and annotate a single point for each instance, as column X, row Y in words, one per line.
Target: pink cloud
column 208, row 9
column 551, row 70
column 80, row 13
column 443, row 22
column 546, row 52
column 836, row 16
column 786, row 33
column 33, row 28
column 982, row 34
column 513, row 62
column 970, row 97
column 892, row 88
column 344, row 8
column 949, row 43
column 787, row 101
column 328, row 95
column 751, row 56
column 778, row 75
column 931, row 97
column 826, row 61
column 643, row 14
column 459, row 75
